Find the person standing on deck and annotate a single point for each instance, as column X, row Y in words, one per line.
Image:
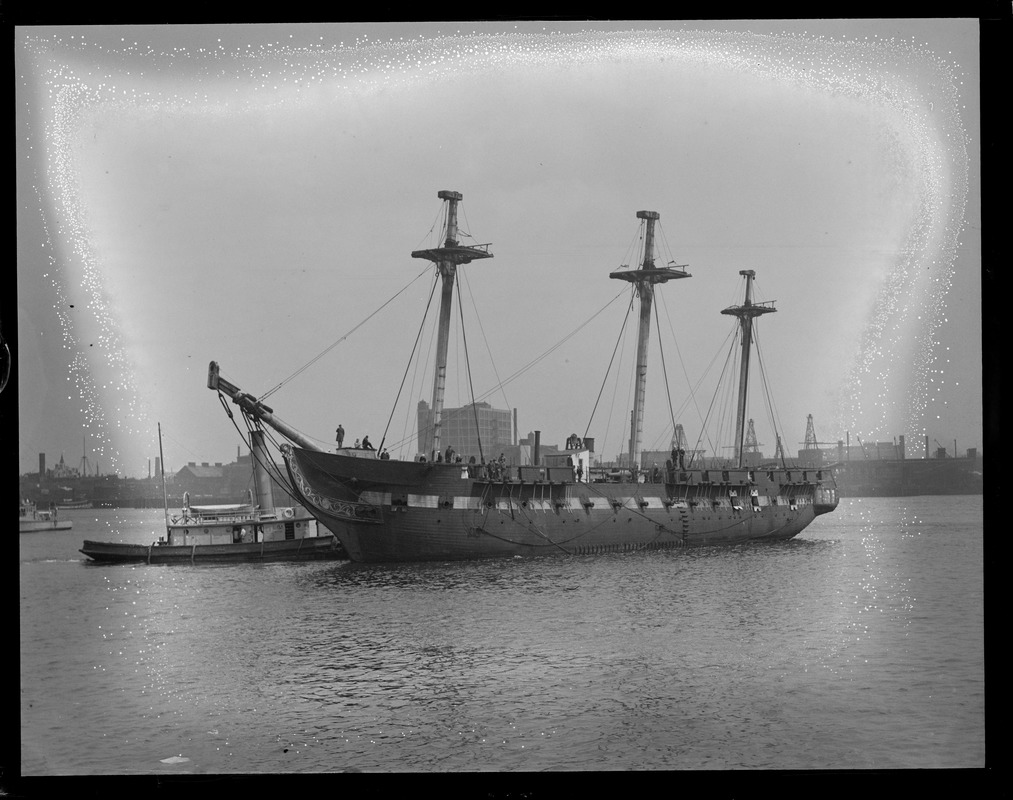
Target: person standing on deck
column 340, row 435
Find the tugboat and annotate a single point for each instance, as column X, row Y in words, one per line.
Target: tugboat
column 253, row 531
column 389, row 510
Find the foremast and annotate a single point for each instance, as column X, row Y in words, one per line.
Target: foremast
column 746, row 313
column 447, row 258
column 643, row 279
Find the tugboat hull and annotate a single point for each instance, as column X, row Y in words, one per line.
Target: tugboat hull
column 318, row 547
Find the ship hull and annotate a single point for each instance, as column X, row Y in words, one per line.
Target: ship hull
column 445, row 514
column 309, row 548
column 37, row 525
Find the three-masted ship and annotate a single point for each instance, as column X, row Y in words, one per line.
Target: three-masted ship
column 389, row 510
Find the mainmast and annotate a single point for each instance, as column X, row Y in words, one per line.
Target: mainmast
column 746, row 312
column 447, row 259
column 643, row 280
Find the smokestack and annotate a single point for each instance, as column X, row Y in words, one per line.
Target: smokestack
column 902, row 456
column 514, row 437
column 42, row 465
column 538, row 447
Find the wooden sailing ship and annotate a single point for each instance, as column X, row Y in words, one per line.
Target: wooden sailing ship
column 424, row 510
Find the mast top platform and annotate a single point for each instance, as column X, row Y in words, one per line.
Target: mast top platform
column 651, row 274
column 452, row 252
column 458, row 254
column 647, row 273
column 749, row 309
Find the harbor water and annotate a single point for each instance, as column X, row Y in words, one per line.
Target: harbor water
column 857, row 645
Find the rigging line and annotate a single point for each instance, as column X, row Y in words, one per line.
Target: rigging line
column 467, row 364
column 532, row 526
column 271, row 469
column 485, row 339
column 428, row 237
column 330, row 347
column 627, row 508
column 419, row 367
column 282, row 481
column 664, row 367
column 615, row 383
column 279, row 476
column 404, row 377
column 611, row 360
column 552, row 349
column 433, row 334
column 694, row 390
column 635, row 248
column 682, row 363
column 710, row 408
column 775, row 420
column 764, row 386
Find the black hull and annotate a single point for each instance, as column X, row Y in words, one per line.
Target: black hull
column 448, row 515
column 310, row 548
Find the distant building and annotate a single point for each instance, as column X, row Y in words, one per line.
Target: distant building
column 464, row 428
column 61, row 470
column 199, row 480
column 222, row 483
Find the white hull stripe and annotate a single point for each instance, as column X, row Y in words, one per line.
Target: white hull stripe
column 570, row 503
column 531, row 504
column 424, row 500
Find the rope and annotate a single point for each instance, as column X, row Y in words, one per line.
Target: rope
column 410, row 358
column 611, row 360
column 330, row 347
column 467, row 364
column 664, row 367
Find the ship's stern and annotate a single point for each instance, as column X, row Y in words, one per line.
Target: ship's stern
column 825, row 496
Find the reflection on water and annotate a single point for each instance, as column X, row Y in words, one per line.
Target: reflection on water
column 838, row 649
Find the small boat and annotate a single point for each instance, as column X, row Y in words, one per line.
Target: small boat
column 32, row 520
column 231, row 533
column 70, row 505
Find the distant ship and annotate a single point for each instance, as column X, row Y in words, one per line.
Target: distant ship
column 897, row 475
column 70, row 505
column 385, row 510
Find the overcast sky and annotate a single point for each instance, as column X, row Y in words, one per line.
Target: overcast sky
column 251, row 194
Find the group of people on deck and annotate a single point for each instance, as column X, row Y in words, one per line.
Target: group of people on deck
column 365, row 444
column 496, row 468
